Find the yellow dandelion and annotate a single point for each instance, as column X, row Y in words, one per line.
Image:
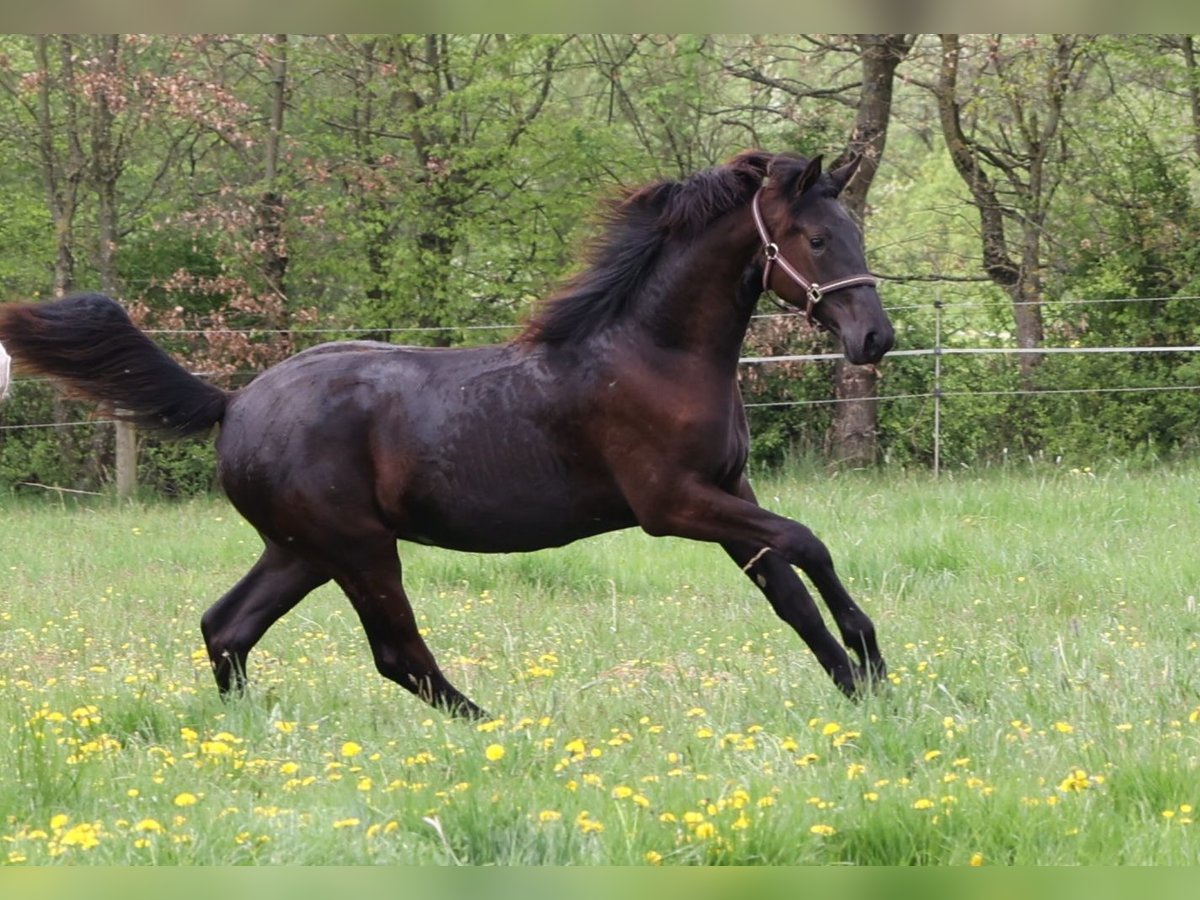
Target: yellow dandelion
column 351, row 749
column 346, row 823
column 653, row 857
column 976, row 859
column 1064, row 727
column 494, row 752
column 186, row 799
column 84, row 835
column 831, row 728
column 923, row 803
column 587, row 824
column 151, row 825
column 823, row 830
column 549, row 815
column 621, row 792
column 285, row 727
column 705, row 830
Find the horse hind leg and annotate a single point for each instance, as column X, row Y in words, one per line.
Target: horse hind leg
column 373, row 584
column 236, row 622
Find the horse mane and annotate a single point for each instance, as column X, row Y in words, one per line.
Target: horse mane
column 634, row 228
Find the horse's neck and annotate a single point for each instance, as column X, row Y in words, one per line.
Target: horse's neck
column 698, row 300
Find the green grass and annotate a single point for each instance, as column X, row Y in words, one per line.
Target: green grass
column 1041, row 629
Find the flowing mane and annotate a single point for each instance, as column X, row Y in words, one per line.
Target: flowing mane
column 635, row 227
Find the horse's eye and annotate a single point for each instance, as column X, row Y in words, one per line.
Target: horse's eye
column 817, row 242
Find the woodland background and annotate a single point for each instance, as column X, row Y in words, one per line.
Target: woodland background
column 250, row 195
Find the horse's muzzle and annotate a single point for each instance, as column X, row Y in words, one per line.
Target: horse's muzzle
column 871, row 347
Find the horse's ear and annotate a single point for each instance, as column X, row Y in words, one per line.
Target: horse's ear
column 842, row 174
column 796, row 175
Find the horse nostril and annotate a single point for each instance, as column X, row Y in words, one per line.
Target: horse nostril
column 877, row 343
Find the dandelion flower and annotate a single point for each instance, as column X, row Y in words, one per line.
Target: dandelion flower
column 494, row 752
column 350, row 749
column 186, row 799
column 823, row 830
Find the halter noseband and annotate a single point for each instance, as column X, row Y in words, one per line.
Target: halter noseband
column 813, row 291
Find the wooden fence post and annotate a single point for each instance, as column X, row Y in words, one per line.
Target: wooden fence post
column 126, row 459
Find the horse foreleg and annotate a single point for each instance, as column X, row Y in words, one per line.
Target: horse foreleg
column 375, row 589
column 794, row 604
column 766, row 546
column 236, row 622
column 856, row 628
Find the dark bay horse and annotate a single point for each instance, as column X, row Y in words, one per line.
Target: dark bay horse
column 617, row 405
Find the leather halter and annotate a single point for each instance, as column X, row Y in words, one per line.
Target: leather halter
column 813, row 291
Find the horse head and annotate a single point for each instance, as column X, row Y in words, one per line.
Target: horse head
column 814, row 257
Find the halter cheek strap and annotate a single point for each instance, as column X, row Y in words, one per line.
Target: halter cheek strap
column 813, row 291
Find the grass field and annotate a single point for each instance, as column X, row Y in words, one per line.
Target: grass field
column 1044, row 706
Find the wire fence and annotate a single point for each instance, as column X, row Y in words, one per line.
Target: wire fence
column 934, row 393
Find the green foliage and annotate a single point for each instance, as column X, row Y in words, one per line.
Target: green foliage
column 435, row 187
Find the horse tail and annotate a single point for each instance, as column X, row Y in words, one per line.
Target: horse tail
column 88, row 343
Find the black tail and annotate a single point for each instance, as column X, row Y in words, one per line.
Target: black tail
column 88, row 343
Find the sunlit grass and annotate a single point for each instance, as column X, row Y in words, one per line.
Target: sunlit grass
column 1043, row 705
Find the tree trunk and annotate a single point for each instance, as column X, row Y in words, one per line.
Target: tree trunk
column 853, row 435
column 61, row 177
column 1192, row 75
column 271, row 211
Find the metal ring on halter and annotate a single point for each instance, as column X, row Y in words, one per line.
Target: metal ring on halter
column 814, row 293
column 771, row 251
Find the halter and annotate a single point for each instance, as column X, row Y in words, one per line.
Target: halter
column 812, row 290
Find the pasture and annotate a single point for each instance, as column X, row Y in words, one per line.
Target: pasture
column 1043, row 706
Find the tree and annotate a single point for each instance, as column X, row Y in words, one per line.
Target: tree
column 1008, row 146
column 853, row 435
column 440, row 134
column 39, row 77
column 812, row 80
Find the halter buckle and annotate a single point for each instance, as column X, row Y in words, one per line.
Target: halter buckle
column 771, row 251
